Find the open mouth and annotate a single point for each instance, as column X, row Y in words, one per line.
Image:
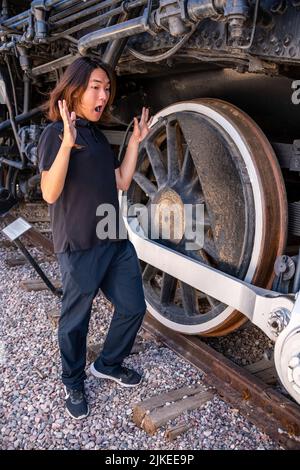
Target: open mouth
column 98, row 109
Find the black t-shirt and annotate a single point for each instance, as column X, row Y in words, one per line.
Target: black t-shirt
column 90, row 182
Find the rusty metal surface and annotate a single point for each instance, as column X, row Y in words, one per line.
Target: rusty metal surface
column 274, row 203
column 275, row 414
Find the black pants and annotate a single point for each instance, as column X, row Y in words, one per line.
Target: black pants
column 114, row 268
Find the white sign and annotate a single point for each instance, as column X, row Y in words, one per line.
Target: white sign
column 16, row 229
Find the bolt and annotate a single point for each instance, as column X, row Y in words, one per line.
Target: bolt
column 294, row 362
column 278, row 320
column 293, row 372
column 287, row 40
column 292, row 51
column 296, row 376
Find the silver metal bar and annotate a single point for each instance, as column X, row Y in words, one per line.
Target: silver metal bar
column 118, row 31
column 254, row 302
column 55, row 64
column 22, row 18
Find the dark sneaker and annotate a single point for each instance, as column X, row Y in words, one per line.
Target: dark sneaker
column 76, row 404
column 123, row 376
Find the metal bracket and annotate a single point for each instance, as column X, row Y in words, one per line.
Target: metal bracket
column 256, row 303
column 13, row 231
column 39, row 9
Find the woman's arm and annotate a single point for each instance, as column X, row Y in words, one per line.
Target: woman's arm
column 125, row 172
column 53, row 180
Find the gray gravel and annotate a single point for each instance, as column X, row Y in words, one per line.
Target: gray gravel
column 32, row 412
column 244, row 346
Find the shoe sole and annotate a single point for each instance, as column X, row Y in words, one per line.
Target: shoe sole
column 99, row 375
column 78, row 417
column 70, row 414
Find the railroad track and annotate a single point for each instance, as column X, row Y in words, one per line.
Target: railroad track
column 269, row 410
column 263, row 405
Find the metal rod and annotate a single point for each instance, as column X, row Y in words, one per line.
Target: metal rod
column 54, row 65
column 26, row 93
column 13, row 122
column 73, row 9
column 12, row 84
column 22, row 18
column 97, row 20
column 35, row 265
column 13, row 163
column 118, row 31
column 20, row 118
column 296, row 283
column 87, row 11
column 114, row 49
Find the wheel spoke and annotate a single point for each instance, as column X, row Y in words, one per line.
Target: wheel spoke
column 145, row 184
column 212, row 302
column 193, row 190
column 168, row 288
column 174, row 151
column 189, row 299
column 209, row 252
column 149, row 272
column 200, row 223
column 188, row 167
column 155, row 158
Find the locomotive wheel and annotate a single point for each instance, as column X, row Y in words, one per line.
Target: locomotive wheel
column 16, row 182
column 209, row 152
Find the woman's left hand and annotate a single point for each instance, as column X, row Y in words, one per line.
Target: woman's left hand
column 141, row 129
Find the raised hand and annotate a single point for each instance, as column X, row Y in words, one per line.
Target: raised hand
column 70, row 131
column 141, row 129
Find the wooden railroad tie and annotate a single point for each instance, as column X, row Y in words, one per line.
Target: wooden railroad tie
column 156, row 411
column 265, row 370
column 13, row 261
column 53, row 316
column 35, row 220
column 45, row 230
column 7, row 244
column 94, row 349
column 173, row 432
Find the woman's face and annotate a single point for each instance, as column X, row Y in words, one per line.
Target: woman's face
column 95, row 97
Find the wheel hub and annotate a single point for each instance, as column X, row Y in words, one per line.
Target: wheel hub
column 167, row 215
column 288, row 363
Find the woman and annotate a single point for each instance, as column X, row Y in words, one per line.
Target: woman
column 79, row 173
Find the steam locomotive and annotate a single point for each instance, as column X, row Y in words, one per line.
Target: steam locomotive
column 222, row 79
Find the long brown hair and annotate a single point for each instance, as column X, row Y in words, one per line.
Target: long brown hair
column 73, row 84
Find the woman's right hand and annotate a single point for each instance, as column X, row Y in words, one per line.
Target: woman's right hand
column 70, row 131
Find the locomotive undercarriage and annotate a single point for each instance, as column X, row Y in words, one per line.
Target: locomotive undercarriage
column 220, row 77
